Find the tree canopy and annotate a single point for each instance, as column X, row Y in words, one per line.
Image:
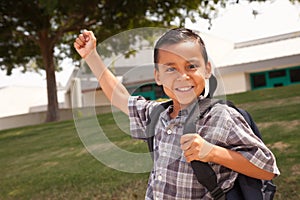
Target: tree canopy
column 32, row 31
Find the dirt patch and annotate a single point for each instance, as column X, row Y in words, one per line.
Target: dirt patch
column 296, row 169
column 271, row 103
column 289, row 125
column 281, row 146
column 50, row 164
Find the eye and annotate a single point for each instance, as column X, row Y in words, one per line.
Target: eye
column 192, row 67
column 170, row 69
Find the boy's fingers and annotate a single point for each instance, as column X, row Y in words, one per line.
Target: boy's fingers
column 79, row 42
column 187, row 137
column 187, row 157
column 77, row 46
column 82, row 37
column 86, row 32
column 88, row 35
column 186, row 140
column 185, row 146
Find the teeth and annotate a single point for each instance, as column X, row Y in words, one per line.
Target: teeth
column 184, row 89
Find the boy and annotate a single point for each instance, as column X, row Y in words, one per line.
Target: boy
column 223, row 138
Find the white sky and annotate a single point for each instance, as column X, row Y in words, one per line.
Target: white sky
column 235, row 23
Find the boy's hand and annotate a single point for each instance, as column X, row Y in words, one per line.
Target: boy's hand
column 195, row 147
column 85, row 43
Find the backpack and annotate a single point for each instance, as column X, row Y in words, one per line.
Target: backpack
column 245, row 188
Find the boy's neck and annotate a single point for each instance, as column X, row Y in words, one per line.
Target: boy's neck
column 174, row 114
column 177, row 107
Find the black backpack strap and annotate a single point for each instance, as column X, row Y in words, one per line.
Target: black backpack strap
column 207, row 177
column 204, row 173
column 151, row 123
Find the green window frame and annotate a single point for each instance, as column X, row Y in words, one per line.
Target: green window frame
column 275, row 78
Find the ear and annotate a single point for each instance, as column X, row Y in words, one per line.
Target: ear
column 157, row 77
column 208, row 70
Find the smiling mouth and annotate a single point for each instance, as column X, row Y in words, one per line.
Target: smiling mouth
column 184, row 89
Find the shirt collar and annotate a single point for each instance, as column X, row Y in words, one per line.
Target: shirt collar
column 183, row 112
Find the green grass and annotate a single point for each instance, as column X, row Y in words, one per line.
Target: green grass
column 49, row 161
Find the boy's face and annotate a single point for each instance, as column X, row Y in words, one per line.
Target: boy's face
column 182, row 71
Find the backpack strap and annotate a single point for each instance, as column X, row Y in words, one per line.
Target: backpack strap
column 203, row 171
column 151, row 123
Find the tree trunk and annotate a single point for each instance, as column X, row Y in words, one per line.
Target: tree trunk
column 52, row 111
column 47, row 50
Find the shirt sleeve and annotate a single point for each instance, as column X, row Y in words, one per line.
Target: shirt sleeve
column 233, row 132
column 252, row 147
column 139, row 111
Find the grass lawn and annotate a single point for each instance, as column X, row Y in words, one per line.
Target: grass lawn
column 49, row 161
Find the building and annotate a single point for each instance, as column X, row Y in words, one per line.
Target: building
column 262, row 63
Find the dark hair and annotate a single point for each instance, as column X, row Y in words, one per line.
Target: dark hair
column 178, row 35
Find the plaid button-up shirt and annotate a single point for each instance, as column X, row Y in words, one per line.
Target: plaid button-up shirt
column 172, row 177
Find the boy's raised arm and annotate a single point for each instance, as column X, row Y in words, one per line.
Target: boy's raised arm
column 85, row 45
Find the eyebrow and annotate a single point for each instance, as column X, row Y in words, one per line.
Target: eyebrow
column 192, row 60
column 168, row 64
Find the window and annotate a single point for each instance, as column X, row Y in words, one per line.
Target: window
column 159, row 92
column 275, row 78
column 295, row 75
column 259, row 80
column 277, row 73
column 146, row 88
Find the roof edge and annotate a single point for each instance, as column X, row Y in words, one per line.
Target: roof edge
column 264, row 40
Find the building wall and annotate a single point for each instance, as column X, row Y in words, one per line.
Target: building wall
column 40, row 117
column 94, row 97
column 234, row 83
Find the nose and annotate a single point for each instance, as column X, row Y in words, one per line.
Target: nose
column 182, row 76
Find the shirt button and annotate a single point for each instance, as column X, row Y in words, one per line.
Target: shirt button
column 169, row 131
column 159, row 177
column 164, row 153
